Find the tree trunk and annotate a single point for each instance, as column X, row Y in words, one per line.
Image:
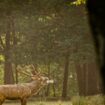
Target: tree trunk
column 16, row 74
column 88, row 79
column 48, row 86
column 14, row 45
column 54, row 90
column 81, row 73
column 65, row 78
column 93, row 79
column 53, row 85
column 8, row 73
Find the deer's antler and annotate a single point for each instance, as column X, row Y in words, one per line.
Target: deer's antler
column 19, row 69
column 34, row 72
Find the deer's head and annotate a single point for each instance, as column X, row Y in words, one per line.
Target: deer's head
column 41, row 78
column 37, row 76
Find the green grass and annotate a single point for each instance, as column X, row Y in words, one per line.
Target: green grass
column 41, row 103
column 89, row 100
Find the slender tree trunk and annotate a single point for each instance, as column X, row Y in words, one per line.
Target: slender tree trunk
column 48, row 86
column 53, row 85
column 79, row 78
column 16, row 74
column 88, row 79
column 93, row 79
column 65, row 78
column 14, row 45
column 54, row 90
column 8, row 73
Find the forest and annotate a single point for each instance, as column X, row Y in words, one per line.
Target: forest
column 49, row 35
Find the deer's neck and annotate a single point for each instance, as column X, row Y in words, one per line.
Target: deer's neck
column 35, row 86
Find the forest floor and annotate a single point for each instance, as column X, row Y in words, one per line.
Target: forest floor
column 41, row 103
column 77, row 100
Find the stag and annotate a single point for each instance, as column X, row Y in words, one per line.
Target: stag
column 23, row 91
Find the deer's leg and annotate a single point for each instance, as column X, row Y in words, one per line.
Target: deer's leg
column 23, row 101
column 1, row 102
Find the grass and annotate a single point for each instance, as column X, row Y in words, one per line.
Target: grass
column 89, row 100
column 41, row 103
column 77, row 100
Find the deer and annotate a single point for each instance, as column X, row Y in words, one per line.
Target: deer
column 24, row 90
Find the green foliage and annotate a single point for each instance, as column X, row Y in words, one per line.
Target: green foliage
column 79, row 2
column 46, row 37
column 2, row 58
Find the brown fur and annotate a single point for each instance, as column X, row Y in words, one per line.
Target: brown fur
column 22, row 91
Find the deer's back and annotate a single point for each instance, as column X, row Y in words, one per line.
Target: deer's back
column 14, row 91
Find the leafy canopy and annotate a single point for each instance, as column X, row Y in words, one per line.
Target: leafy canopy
column 79, row 2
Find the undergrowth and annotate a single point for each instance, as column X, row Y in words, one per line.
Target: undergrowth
column 89, row 100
